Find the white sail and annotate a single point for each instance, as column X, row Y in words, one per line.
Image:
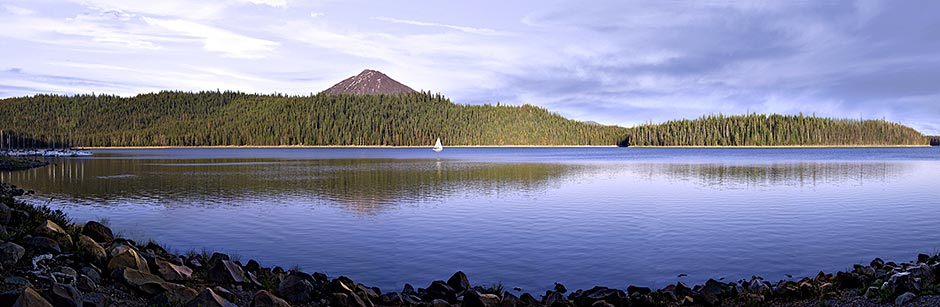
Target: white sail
column 437, row 146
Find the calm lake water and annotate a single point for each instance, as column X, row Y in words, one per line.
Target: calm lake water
column 528, row 217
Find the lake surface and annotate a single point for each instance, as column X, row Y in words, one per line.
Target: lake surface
column 527, row 217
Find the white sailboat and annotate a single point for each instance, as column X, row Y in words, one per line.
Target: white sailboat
column 437, row 146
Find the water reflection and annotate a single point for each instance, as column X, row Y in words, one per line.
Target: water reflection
column 370, row 185
column 802, row 174
column 365, row 186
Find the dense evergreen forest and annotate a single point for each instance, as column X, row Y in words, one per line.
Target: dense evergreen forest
column 934, row 140
column 772, row 130
column 232, row 118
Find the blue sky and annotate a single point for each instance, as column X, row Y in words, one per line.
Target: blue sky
column 615, row 62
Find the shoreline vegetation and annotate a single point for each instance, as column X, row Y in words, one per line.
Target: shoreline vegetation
column 406, row 119
column 47, row 259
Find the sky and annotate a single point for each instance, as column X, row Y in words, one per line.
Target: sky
column 613, row 62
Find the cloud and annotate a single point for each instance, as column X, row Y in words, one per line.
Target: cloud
column 317, row 14
column 214, row 39
column 440, row 25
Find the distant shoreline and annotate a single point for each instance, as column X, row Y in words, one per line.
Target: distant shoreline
column 793, row 146
column 350, row 146
column 493, row 146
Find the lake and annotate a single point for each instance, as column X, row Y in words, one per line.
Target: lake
column 527, row 217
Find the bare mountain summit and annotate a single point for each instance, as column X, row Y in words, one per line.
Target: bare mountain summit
column 368, row 82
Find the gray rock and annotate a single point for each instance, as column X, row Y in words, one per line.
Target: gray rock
column 905, row 298
column 391, row 299
column 19, row 282
column 226, row 271
column 91, row 249
column 64, row 295
column 459, row 281
column 175, row 295
column 441, row 290
column 264, row 298
column 126, row 257
column 143, row 282
column 43, row 244
column 296, row 288
column 472, row 299
column 225, row 293
column 96, row 300
column 30, row 298
column 172, row 272
column 93, row 273
column 86, row 284
column 10, row 253
column 208, row 298
column 50, row 229
column 439, row 303
column 98, row 232
column 5, row 213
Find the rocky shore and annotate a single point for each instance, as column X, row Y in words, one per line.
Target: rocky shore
column 19, row 163
column 46, row 260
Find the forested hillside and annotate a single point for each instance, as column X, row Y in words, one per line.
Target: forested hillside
column 232, row 118
column 934, row 140
column 773, row 130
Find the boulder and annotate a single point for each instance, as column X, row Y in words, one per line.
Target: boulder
column 125, row 257
column 458, row 281
column 296, row 288
column 86, row 284
column 614, row 297
column 143, row 282
column 50, row 229
column 96, row 300
column 634, row 290
column 175, row 295
column 93, row 273
column 905, row 298
column 18, row 282
column 43, row 244
column 10, row 253
column 901, row 282
column 30, row 298
column 490, row 300
column 441, row 290
column 172, row 272
column 923, row 258
column 264, row 298
column 712, row 293
column 226, row 271
column 391, row 299
column 98, row 232
column 208, row 298
column 472, row 299
column 877, row 263
column 440, row 303
column 225, row 293
column 347, row 300
column 252, row 266
column 91, row 249
column 5, row 213
column 64, row 295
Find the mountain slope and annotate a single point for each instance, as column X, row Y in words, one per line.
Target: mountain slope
column 368, row 82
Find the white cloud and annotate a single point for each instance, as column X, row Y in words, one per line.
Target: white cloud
column 218, row 40
column 317, row 14
column 274, row 3
column 16, row 10
column 473, row 30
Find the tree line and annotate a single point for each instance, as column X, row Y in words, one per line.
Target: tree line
column 934, row 140
column 772, row 130
column 216, row 118
column 232, row 118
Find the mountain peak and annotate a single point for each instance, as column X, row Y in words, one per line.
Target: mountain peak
column 368, row 82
